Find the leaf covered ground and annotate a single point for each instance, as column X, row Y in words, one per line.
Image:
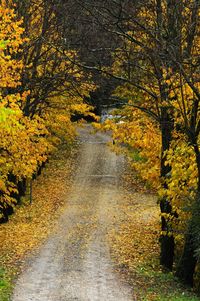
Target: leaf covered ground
column 135, row 247
column 32, row 223
column 134, row 242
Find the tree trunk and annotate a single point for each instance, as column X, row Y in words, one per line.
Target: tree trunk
column 186, row 267
column 166, row 241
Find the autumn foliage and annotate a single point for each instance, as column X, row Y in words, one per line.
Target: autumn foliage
column 39, row 92
column 157, row 64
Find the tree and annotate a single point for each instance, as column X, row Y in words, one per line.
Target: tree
column 19, row 135
column 157, row 47
column 40, row 90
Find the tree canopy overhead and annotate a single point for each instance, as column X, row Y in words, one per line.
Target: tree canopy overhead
column 59, row 57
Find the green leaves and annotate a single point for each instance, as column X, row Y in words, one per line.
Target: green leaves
column 3, row 44
column 5, row 112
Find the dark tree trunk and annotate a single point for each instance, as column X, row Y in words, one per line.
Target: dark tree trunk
column 166, row 241
column 6, row 209
column 41, row 167
column 186, row 267
column 3, row 214
column 21, row 186
column 12, row 178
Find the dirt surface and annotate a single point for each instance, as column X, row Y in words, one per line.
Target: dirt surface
column 75, row 262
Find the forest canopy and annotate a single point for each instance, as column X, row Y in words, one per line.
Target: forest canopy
column 64, row 58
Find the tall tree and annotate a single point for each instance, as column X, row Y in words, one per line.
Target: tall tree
column 154, row 43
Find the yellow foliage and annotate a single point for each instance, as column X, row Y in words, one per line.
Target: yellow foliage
column 26, row 140
column 140, row 139
column 182, row 183
column 23, row 140
column 10, row 42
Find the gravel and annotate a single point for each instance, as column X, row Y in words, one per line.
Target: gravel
column 75, row 262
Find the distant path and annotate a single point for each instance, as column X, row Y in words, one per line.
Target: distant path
column 75, row 263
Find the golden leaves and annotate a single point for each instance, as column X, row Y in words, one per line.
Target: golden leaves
column 32, row 223
column 27, row 141
column 10, row 40
column 143, row 142
column 182, row 183
column 134, row 245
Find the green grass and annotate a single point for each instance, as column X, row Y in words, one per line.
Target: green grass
column 5, row 286
column 161, row 286
column 179, row 298
column 136, row 156
column 176, row 297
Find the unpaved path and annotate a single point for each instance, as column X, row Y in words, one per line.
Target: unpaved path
column 75, row 263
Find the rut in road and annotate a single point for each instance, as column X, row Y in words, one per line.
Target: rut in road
column 75, row 263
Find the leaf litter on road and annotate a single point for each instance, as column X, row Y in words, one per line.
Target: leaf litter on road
column 32, row 223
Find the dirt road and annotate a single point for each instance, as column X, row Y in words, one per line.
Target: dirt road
column 75, row 263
